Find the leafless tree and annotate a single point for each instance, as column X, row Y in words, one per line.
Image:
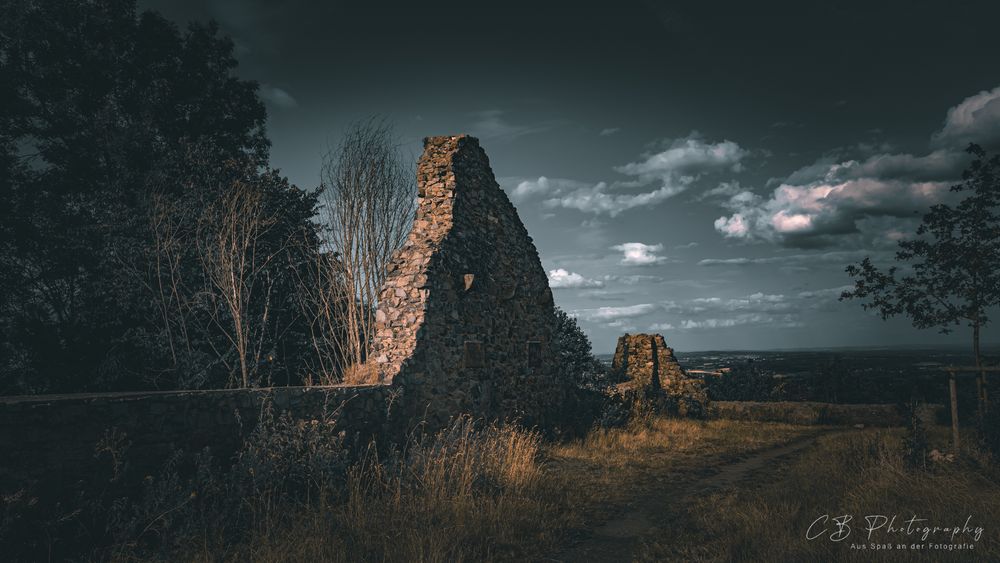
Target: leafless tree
column 324, row 297
column 370, row 197
column 165, row 279
column 236, row 263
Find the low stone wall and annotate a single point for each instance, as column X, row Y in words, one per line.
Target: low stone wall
column 816, row 413
column 51, row 439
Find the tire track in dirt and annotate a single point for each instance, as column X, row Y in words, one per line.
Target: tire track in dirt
column 616, row 539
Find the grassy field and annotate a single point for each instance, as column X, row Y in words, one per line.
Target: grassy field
column 860, row 474
column 658, row 489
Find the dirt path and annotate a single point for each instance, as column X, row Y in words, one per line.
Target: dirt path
column 617, row 539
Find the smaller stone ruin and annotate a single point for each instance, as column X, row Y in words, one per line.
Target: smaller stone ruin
column 645, row 365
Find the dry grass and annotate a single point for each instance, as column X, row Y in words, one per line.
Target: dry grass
column 361, row 374
column 467, row 493
column 857, row 474
column 476, row 492
column 483, row 493
column 610, row 466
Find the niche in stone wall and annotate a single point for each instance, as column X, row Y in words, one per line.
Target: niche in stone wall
column 474, row 356
column 534, row 353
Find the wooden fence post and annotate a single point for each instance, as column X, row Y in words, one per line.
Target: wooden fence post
column 954, row 410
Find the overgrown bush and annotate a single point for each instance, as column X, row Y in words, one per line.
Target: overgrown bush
column 576, row 357
column 293, row 493
column 285, row 464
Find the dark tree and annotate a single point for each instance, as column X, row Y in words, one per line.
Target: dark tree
column 952, row 266
column 103, row 112
column 576, row 357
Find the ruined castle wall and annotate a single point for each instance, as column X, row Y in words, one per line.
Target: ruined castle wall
column 639, row 356
column 465, row 326
column 466, row 320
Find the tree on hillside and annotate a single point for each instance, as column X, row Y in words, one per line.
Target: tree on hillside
column 952, row 274
column 369, row 200
column 108, row 117
column 576, row 357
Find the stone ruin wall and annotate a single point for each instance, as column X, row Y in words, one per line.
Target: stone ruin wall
column 466, row 325
column 639, row 356
column 466, row 318
column 644, row 362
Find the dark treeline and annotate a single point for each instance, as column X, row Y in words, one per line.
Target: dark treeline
column 146, row 242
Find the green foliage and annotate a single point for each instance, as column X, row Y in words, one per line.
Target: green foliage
column 952, row 276
column 106, row 118
column 576, row 357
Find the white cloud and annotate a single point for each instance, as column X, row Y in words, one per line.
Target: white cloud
column 771, row 321
column 801, row 215
column 277, row 97
column 543, row 186
column 819, row 204
column 759, row 301
column 770, row 310
column 724, row 189
column 675, row 168
column 528, row 188
column 975, row 120
column 609, row 131
column 640, row 254
column 563, row 279
column 685, row 157
column 596, row 199
column 605, row 295
column 613, row 314
column 633, row 279
column 835, row 257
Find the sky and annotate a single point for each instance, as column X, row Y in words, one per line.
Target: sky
column 699, row 169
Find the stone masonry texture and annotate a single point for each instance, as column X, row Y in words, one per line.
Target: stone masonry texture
column 644, row 363
column 465, row 326
column 639, row 356
column 466, row 318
